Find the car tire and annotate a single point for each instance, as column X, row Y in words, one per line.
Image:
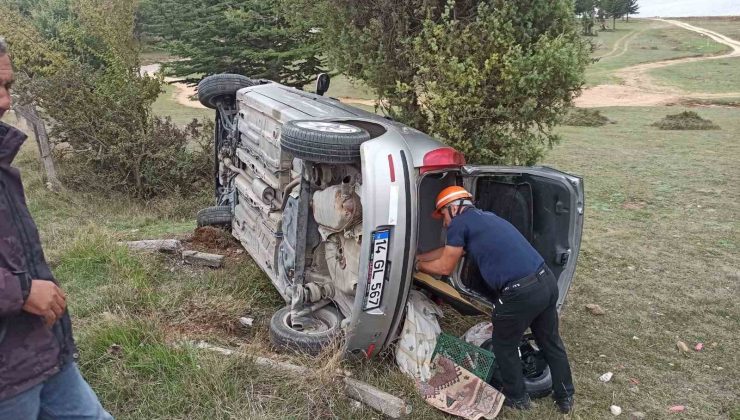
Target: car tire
column 213, row 89
column 284, row 338
column 214, row 216
column 323, row 141
column 538, row 386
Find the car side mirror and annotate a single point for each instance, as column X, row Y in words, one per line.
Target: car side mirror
column 322, row 84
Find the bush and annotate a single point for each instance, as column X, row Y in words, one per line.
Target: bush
column 491, row 79
column 584, row 117
column 78, row 62
column 687, row 120
column 167, row 160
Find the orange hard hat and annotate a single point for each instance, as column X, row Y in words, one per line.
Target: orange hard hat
column 447, row 196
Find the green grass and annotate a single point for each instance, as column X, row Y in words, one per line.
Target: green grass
column 167, row 106
column 713, row 76
column 650, row 41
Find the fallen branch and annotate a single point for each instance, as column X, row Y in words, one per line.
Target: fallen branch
column 379, row 400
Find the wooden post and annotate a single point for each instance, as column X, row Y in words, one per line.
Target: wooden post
column 31, row 115
column 379, row 400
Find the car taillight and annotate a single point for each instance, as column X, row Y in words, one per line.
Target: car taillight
column 445, row 157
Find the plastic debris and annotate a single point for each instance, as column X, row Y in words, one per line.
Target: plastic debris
column 699, row 346
column 677, row 409
column 615, row 409
column 634, row 381
column 682, row 346
column 606, row 377
column 595, row 309
column 478, row 333
column 245, row 321
column 634, row 337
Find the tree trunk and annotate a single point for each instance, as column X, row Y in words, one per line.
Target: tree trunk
column 34, row 121
column 614, row 23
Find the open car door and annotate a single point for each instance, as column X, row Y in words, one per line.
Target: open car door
column 544, row 204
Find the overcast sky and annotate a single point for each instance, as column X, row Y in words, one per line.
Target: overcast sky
column 677, row 8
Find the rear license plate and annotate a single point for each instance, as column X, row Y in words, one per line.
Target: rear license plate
column 377, row 269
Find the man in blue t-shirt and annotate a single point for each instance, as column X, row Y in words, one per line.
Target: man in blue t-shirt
column 526, row 291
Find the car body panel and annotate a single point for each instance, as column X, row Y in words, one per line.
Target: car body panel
column 387, row 199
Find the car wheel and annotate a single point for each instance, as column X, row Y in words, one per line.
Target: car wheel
column 214, row 216
column 323, row 141
column 214, row 89
column 311, row 340
column 539, row 386
column 537, row 375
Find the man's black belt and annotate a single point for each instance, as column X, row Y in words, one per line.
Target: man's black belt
column 526, row 281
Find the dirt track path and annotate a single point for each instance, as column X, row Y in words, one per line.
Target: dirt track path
column 639, row 89
column 183, row 92
column 621, row 45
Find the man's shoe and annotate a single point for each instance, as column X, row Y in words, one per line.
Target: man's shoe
column 565, row 405
column 523, row 403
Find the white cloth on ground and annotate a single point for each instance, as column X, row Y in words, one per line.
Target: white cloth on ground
column 418, row 337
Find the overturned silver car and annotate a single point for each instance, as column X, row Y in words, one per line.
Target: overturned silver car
column 333, row 203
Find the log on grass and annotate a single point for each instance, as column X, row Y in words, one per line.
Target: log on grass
column 169, row 246
column 203, row 259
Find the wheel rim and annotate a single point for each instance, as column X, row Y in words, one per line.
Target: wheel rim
column 315, row 327
column 328, row 127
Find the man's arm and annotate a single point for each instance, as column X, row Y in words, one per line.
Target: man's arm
column 11, row 292
column 444, row 264
column 39, row 297
column 431, row 255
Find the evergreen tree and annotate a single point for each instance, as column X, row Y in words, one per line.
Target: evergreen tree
column 614, row 9
column 251, row 37
column 632, row 8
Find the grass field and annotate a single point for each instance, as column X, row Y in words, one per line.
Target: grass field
column 714, row 76
column 167, row 106
column 644, row 41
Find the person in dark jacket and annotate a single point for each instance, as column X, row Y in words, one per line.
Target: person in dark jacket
column 525, row 291
column 39, row 378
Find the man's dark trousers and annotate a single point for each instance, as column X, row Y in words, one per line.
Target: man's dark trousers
column 533, row 304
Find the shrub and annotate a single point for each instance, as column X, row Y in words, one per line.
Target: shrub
column 78, row 62
column 166, row 160
column 687, row 120
column 491, row 79
column 584, row 117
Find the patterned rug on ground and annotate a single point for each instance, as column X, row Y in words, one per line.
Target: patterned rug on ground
column 455, row 390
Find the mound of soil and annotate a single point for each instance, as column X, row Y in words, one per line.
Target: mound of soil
column 212, row 238
column 584, row 117
column 687, row 120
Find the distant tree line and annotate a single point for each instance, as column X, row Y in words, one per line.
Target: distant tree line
column 591, row 11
